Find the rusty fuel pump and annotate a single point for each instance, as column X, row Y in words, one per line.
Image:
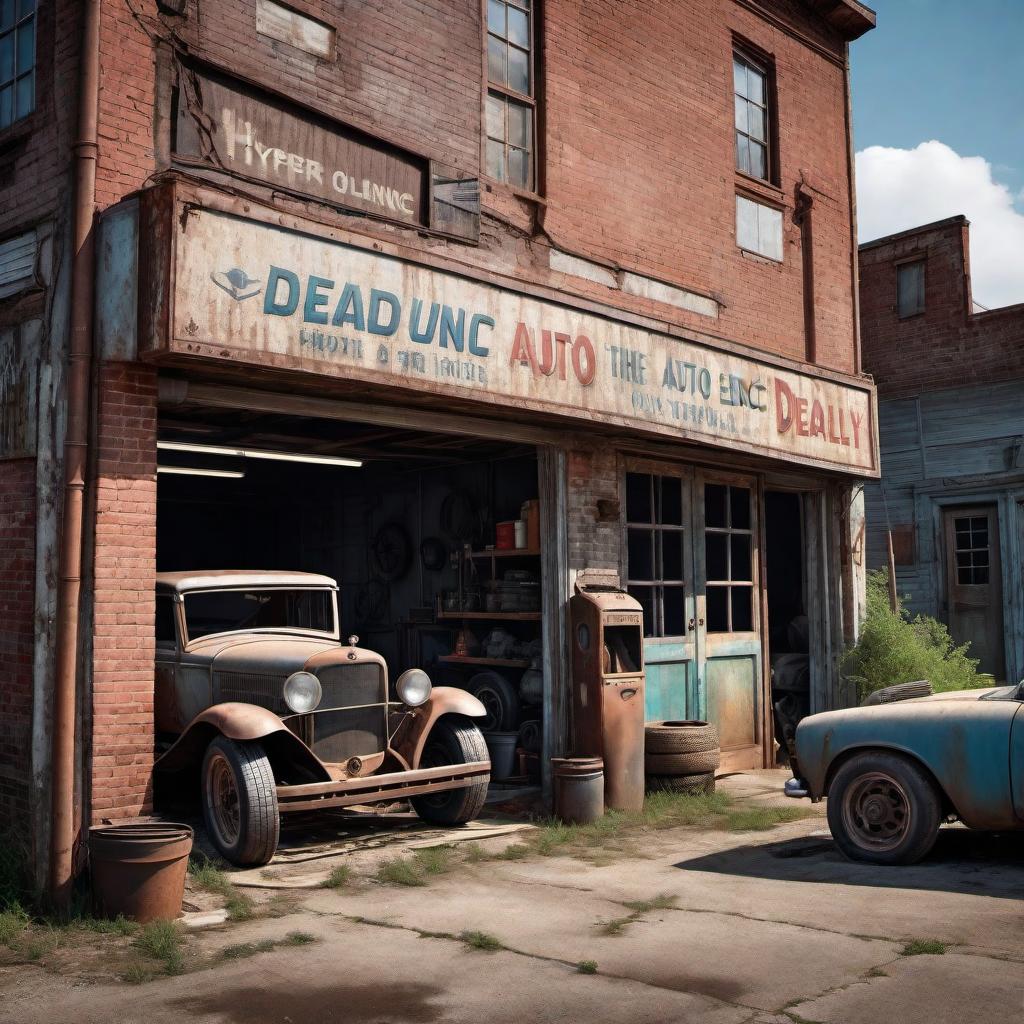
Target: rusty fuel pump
column 608, row 684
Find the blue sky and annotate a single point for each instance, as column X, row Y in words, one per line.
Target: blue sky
column 938, row 111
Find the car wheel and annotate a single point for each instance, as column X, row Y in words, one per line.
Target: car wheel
column 883, row 808
column 500, row 700
column 453, row 740
column 240, row 802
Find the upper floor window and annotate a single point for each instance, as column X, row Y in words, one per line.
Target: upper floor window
column 17, row 60
column 910, row 288
column 511, row 93
column 750, row 85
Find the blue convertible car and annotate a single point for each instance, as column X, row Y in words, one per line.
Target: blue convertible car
column 894, row 771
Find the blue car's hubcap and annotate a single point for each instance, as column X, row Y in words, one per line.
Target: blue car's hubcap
column 876, row 812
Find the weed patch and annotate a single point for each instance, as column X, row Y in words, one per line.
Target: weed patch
column 617, row 926
column 245, row 949
column 161, row 941
column 400, row 871
column 660, row 902
column 435, row 860
column 206, row 875
column 338, row 878
column 298, row 939
column 924, row 947
column 760, row 819
column 482, row 941
column 587, row 967
column 13, row 922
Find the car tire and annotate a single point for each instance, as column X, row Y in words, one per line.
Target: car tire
column 883, row 809
column 691, row 784
column 696, row 762
column 454, row 739
column 239, row 798
column 499, row 698
column 679, row 737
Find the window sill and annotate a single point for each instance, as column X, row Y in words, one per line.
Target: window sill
column 757, row 188
column 503, row 187
column 758, row 257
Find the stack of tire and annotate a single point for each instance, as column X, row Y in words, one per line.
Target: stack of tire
column 681, row 757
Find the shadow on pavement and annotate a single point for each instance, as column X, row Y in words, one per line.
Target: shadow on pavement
column 976, row 863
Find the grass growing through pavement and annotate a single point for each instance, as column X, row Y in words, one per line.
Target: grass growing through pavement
column 587, row 967
column 618, row 925
column 206, row 875
column 400, row 871
column 760, row 819
column 924, row 947
column 416, row 869
column 338, row 878
column 159, row 943
column 482, row 941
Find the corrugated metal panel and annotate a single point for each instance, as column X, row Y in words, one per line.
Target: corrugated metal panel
column 17, row 263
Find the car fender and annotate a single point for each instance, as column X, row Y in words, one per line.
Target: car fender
column 243, row 722
column 443, row 700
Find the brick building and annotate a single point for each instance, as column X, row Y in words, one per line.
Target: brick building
column 601, row 256
column 952, row 439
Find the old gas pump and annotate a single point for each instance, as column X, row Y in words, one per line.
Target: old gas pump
column 608, row 684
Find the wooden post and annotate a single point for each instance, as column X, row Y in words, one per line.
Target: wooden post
column 893, row 603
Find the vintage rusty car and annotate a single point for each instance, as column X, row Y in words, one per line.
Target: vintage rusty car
column 895, row 770
column 260, row 704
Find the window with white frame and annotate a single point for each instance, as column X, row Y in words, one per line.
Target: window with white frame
column 17, row 60
column 511, row 126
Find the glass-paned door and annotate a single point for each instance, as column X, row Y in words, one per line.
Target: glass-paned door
column 659, row 574
column 728, row 591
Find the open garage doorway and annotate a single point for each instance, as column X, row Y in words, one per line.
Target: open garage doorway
column 434, row 541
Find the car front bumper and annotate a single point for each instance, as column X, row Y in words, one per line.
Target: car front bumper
column 371, row 789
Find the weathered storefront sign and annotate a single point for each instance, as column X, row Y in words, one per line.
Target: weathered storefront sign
column 241, row 133
column 248, row 291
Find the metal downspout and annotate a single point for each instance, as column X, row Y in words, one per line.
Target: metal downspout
column 76, row 442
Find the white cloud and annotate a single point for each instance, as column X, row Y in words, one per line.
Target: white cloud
column 904, row 188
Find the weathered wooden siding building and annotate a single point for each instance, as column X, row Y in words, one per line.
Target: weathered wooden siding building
column 951, row 429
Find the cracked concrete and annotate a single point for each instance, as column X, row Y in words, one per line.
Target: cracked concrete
column 764, row 928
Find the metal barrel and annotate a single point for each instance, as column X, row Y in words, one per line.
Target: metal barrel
column 578, row 789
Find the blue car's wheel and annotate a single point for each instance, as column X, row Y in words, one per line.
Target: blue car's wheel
column 883, row 808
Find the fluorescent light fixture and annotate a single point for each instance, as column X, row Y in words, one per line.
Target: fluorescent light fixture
column 230, row 474
column 257, row 453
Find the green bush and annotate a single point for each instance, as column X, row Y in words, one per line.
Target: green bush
column 895, row 648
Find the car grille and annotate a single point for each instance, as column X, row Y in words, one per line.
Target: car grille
column 250, row 688
column 350, row 686
column 339, row 735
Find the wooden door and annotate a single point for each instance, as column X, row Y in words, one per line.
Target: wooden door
column 974, row 584
column 727, row 584
column 659, row 574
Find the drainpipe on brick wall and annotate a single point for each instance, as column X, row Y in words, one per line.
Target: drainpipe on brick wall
column 76, row 441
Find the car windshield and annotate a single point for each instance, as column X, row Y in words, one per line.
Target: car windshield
column 226, row 611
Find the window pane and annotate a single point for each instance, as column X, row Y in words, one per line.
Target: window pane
column 24, row 95
column 520, row 125
column 673, row 611
column 495, row 117
column 496, row 60
column 672, row 555
column 743, row 157
column 718, row 609
column 165, row 633
column 519, row 70
column 7, row 57
column 981, row 575
column 755, row 120
column 26, row 7
column 769, row 232
column 741, row 114
column 639, row 555
column 519, row 168
column 645, row 595
column 716, row 556
column 739, row 78
column 671, row 501
column 714, row 505
column 518, row 28
column 496, row 17
column 755, row 85
column 638, row 498
column 758, row 160
column 26, row 46
column 742, row 612
column 910, row 288
column 6, row 106
column 741, row 567
column 739, row 508
column 496, row 160
column 746, row 224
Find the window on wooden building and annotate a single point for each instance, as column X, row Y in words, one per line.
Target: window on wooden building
column 910, row 288
column 17, row 60
column 751, row 80
column 511, row 127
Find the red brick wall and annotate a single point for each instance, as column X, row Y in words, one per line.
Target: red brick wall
column 946, row 345
column 17, row 628
column 593, row 539
column 123, row 646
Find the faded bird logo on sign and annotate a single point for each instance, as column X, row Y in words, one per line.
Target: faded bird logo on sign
column 237, row 283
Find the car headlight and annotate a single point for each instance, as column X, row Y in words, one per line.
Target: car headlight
column 302, row 692
column 413, row 687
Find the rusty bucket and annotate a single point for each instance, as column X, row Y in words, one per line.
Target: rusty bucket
column 578, row 789
column 138, row 869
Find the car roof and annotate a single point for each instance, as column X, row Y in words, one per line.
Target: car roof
column 212, row 579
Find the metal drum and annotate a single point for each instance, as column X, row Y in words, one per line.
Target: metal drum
column 578, row 789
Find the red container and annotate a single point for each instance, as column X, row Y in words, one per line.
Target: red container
column 505, row 536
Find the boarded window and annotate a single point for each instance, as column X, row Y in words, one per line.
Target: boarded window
column 910, row 288
column 511, row 126
column 17, row 60
column 759, row 228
